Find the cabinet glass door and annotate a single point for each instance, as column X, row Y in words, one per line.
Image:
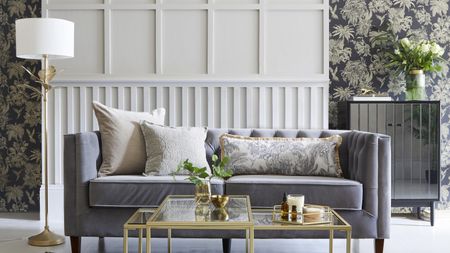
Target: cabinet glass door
column 415, row 150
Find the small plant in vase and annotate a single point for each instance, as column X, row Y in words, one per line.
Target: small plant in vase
column 414, row 59
column 202, row 179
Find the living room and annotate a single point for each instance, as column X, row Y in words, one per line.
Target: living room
column 224, row 126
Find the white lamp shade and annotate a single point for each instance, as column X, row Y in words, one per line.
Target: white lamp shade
column 36, row 37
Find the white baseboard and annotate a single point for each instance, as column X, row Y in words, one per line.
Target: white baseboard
column 55, row 203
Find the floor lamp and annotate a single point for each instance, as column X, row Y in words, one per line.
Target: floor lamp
column 44, row 39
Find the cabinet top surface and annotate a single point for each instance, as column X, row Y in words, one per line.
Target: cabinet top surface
column 396, row 102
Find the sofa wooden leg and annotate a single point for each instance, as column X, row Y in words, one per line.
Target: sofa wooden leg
column 75, row 244
column 379, row 245
column 226, row 245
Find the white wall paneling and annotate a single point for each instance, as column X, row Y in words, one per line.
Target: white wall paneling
column 233, row 38
column 215, row 63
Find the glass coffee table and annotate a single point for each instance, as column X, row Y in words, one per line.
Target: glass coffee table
column 181, row 212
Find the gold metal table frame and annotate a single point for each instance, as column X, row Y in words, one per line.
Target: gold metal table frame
column 144, row 219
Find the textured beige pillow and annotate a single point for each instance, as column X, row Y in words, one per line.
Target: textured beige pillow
column 168, row 146
column 123, row 145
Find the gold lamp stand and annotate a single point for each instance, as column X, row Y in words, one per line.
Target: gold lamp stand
column 46, row 237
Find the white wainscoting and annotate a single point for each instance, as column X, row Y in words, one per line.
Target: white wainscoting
column 215, row 63
column 249, row 104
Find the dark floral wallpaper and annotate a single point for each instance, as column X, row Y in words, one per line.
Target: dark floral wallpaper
column 355, row 63
column 20, row 128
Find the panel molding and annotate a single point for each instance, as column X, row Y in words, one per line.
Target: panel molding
column 211, row 7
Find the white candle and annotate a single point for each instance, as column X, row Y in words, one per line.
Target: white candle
column 296, row 200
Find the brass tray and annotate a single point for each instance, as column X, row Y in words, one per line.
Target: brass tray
column 324, row 217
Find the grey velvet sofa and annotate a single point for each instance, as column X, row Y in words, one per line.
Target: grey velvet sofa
column 98, row 207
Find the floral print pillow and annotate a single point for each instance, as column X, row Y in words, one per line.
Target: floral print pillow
column 282, row 156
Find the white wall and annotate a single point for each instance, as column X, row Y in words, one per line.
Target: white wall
column 216, row 63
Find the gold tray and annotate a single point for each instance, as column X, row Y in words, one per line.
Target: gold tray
column 325, row 217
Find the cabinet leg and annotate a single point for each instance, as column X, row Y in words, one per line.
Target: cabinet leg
column 418, row 212
column 432, row 213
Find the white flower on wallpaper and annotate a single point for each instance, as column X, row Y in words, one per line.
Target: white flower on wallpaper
column 356, row 63
column 439, row 7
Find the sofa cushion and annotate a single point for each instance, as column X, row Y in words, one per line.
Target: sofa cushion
column 267, row 190
column 167, row 147
column 141, row 191
column 123, row 146
column 282, row 156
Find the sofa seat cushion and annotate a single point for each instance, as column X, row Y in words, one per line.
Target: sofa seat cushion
column 267, row 190
column 141, row 191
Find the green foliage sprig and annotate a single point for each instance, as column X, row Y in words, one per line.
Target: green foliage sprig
column 415, row 55
column 198, row 175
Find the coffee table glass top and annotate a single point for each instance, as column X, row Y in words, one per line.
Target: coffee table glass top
column 140, row 218
column 183, row 209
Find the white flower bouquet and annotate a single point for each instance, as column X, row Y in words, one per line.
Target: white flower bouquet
column 410, row 55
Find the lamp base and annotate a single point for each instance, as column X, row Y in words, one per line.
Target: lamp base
column 46, row 238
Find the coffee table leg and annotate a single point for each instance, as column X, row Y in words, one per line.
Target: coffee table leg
column 247, row 235
column 147, row 241
column 169, row 240
column 252, row 238
column 125, row 240
column 331, row 240
column 140, row 241
column 349, row 241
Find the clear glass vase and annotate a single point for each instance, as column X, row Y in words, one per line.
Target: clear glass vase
column 203, row 193
column 415, row 85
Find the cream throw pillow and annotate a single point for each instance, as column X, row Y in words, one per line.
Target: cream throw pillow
column 123, row 145
column 168, row 146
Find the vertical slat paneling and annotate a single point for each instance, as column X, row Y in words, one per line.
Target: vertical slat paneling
column 58, row 143
column 70, row 111
column 185, row 106
column 275, row 108
column 223, row 107
column 198, row 106
column 82, row 107
column 172, row 106
column 288, row 105
column 95, row 97
column 236, row 106
column 211, row 106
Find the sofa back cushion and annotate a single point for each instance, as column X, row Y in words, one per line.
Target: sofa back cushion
column 282, row 156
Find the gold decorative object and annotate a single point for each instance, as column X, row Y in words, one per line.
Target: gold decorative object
column 311, row 215
column 35, row 39
column 220, row 201
column 203, row 193
column 220, row 214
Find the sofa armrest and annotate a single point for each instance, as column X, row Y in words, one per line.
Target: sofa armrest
column 369, row 162
column 82, row 157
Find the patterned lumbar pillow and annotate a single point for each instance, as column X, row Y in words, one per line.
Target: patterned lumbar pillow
column 123, row 145
column 167, row 147
column 282, row 156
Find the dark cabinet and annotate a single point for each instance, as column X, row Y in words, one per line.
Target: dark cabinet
column 415, row 139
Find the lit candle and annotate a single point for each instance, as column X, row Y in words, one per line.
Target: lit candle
column 297, row 200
